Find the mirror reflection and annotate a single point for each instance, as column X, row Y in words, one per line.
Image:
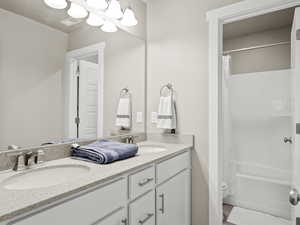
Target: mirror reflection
column 63, row 79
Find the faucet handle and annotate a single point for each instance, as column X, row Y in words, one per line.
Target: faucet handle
column 40, row 157
column 19, row 162
column 28, row 158
column 34, row 157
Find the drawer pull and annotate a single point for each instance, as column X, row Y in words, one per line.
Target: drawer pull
column 144, row 182
column 162, row 209
column 149, row 215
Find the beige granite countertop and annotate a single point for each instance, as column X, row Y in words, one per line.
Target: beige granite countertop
column 17, row 202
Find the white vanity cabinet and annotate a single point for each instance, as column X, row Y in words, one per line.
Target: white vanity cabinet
column 156, row 194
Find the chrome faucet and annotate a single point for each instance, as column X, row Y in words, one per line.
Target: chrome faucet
column 17, row 162
column 128, row 139
column 28, row 158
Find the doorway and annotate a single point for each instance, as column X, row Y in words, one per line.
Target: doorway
column 257, row 118
column 85, row 84
column 245, row 173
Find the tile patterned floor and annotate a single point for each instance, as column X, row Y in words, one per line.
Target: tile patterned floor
column 226, row 211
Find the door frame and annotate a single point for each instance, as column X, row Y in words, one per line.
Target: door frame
column 216, row 18
column 70, row 84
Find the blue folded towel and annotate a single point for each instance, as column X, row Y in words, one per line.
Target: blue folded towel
column 105, row 151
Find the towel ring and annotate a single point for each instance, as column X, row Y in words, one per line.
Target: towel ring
column 169, row 87
column 124, row 92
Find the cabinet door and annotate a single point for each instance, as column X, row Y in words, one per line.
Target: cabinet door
column 117, row 218
column 83, row 210
column 173, row 200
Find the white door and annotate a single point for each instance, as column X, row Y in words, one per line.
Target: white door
column 295, row 39
column 172, row 199
column 88, row 99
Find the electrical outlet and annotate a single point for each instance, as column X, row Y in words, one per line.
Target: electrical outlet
column 154, row 117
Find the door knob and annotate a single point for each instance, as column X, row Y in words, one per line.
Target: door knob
column 288, row 140
column 294, row 197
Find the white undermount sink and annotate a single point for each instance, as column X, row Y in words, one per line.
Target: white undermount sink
column 44, row 177
column 151, row 148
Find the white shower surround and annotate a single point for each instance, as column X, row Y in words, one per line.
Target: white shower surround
column 260, row 163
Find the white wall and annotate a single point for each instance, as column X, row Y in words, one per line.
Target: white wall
column 262, row 59
column 178, row 53
column 124, row 66
column 31, row 62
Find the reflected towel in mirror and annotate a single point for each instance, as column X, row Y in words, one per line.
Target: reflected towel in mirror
column 124, row 113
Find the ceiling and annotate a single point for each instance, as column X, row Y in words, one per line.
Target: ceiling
column 275, row 20
column 39, row 12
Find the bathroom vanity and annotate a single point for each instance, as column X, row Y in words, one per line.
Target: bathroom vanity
column 71, row 84
column 151, row 188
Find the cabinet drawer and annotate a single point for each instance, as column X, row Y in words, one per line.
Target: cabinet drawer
column 83, row 210
column 142, row 211
column 141, row 182
column 170, row 167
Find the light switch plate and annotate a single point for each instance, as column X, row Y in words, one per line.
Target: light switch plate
column 139, row 117
column 154, row 117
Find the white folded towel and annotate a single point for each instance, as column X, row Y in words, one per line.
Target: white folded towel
column 124, row 113
column 166, row 118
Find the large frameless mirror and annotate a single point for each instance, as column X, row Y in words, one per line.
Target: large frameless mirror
column 64, row 78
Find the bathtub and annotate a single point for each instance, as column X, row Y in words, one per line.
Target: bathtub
column 260, row 188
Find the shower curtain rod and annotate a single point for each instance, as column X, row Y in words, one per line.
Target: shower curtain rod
column 256, row 47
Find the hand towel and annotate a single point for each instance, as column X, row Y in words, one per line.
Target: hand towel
column 166, row 118
column 104, row 151
column 124, row 113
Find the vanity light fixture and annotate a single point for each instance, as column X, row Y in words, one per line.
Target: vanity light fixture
column 77, row 11
column 107, row 13
column 109, row 27
column 97, row 4
column 56, row 4
column 114, row 10
column 94, row 20
column 129, row 19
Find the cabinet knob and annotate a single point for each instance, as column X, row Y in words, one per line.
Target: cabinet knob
column 144, row 182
